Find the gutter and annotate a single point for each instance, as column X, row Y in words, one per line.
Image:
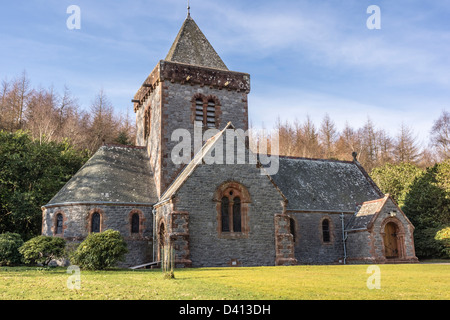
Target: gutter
column 99, row 203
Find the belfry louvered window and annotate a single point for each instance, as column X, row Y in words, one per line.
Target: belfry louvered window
column 211, row 114
column 199, row 111
column 205, row 113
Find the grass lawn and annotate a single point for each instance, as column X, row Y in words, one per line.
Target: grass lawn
column 405, row 282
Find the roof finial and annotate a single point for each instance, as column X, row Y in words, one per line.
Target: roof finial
column 189, row 10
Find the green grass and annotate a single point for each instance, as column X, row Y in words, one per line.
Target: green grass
column 405, row 282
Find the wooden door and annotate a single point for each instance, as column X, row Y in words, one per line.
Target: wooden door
column 390, row 241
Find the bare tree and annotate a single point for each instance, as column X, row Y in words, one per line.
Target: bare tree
column 386, row 145
column 3, row 106
column 349, row 141
column 369, row 146
column 286, row 138
column 327, row 137
column 41, row 115
column 405, row 148
column 23, row 86
column 103, row 128
column 440, row 135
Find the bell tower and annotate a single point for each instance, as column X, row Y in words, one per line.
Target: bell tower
column 191, row 87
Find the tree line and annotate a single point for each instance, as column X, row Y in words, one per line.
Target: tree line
column 374, row 146
column 50, row 116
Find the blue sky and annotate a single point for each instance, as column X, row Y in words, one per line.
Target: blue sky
column 304, row 57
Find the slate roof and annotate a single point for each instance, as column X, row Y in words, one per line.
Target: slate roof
column 368, row 212
column 328, row 185
column 365, row 214
column 116, row 174
column 193, row 48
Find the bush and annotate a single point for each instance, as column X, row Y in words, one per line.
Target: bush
column 443, row 236
column 100, row 251
column 427, row 247
column 31, row 174
column 42, row 250
column 9, row 249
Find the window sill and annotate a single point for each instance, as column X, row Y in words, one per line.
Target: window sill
column 233, row 235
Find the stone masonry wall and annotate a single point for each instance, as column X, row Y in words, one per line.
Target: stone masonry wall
column 153, row 140
column 207, row 247
column 359, row 248
column 309, row 245
column 178, row 113
column 77, row 226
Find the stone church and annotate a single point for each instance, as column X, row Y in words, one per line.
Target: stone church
column 310, row 211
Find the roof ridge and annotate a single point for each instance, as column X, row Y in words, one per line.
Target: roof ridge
column 312, row 159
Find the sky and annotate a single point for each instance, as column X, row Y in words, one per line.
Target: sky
column 305, row 57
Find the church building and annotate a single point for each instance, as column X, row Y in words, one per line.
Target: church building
column 213, row 214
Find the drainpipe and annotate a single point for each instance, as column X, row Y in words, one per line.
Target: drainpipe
column 344, row 237
column 154, row 232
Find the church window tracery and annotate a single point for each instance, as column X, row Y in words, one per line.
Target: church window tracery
column 232, row 207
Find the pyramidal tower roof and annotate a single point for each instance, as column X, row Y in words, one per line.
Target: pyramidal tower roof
column 192, row 47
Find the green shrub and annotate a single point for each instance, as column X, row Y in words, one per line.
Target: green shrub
column 9, row 249
column 100, row 251
column 427, row 247
column 42, row 250
column 443, row 236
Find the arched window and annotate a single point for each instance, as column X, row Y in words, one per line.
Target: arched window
column 199, row 111
column 225, row 214
column 232, row 208
column 326, row 231
column 206, row 111
column 231, row 212
column 237, row 224
column 292, row 229
column 95, row 222
column 59, row 223
column 135, row 223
